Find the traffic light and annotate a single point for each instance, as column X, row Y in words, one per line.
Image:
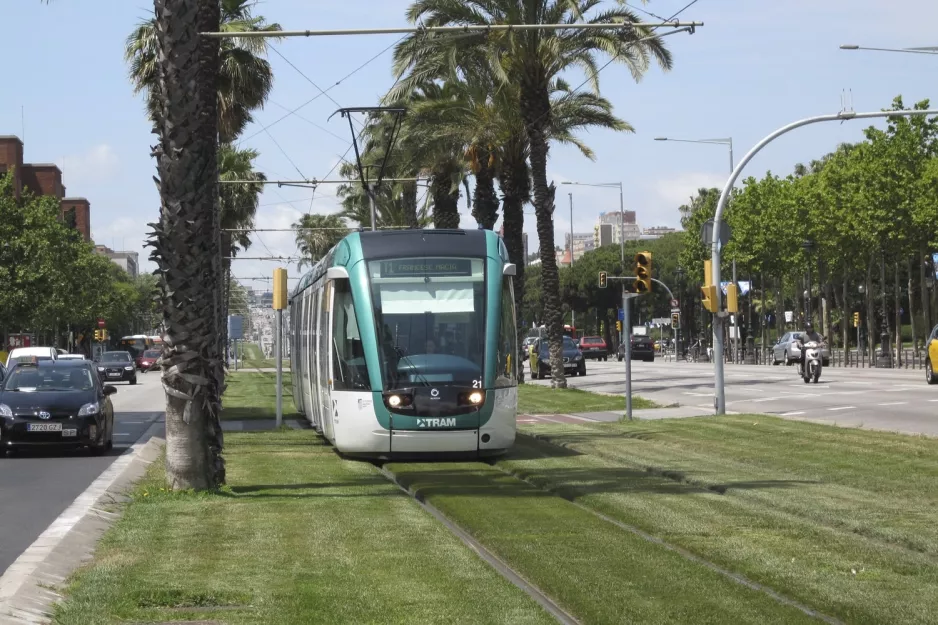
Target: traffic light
column 708, row 297
column 732, row 301
column 675, row 321
column 602, row 279
column 642, row 283
column 618, row 326
column 98, row 336
column 856, row 320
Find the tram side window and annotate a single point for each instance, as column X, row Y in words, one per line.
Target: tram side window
column 350, row 372
column 506, row 366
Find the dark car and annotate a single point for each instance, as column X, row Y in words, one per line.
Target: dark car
column 147, row 359
column 573, row 360
column 594, row 347
column 643, row 348
column 117, row 367
column 57, row 403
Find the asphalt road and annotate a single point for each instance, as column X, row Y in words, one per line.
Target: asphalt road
column 896, row 400
column 36, row 487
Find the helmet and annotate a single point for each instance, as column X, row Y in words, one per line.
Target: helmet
column 809, row 326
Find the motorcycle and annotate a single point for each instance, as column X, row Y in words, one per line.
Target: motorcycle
column 811, row 370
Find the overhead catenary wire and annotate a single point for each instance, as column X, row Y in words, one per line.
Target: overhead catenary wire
column 407, row 30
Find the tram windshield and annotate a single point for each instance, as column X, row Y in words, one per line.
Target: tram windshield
column 430, row 315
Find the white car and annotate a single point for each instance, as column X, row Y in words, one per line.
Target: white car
column 72, row 357
column 43, row 353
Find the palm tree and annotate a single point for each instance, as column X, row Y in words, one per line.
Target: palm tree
column 317, row 234
column 237, row 206
column 532, row 60
column 186, row 239
column 244, row 78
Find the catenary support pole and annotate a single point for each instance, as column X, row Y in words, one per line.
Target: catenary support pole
column 626, row 321
column 719, row 399
column 279, row 357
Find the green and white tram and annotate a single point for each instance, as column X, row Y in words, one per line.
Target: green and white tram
column 404, row 343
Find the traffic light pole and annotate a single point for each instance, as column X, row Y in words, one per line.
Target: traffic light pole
column 626, row 333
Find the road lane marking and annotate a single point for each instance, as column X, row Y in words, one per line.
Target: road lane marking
column 894, row 403
column 791, row 414
column 842, row 408
column 757, row 401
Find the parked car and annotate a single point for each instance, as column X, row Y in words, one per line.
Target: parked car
column 147, row 359
column 594, row 347
column 55, row 403
column 572, row 359
column 117, row 367
column 643, row 348
column 787, row 352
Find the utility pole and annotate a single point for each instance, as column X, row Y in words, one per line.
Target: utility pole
column 572, row 312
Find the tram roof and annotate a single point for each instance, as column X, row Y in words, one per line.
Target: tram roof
column 385, row 244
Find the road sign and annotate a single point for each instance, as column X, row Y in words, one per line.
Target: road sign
column 235, row 327
column 675, row 310
column 621, row 315
column 675, row 303
column 101, row 323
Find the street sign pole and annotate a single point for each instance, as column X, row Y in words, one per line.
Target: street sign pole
column 628, row 353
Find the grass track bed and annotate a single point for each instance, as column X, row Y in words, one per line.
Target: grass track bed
column 300, row 536
column 843, row 520
column 596, row 571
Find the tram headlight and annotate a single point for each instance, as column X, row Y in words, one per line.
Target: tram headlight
column 398, row 400
column 394, row 401
column 472, row 398
column 476, row 398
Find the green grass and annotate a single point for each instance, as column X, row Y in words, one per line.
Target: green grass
column 598, row 572
column 253, row 395
column 843, row 520
column 252, row 357
column 539, row 399
column 299, row 536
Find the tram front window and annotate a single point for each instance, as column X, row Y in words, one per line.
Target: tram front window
column 430, row 314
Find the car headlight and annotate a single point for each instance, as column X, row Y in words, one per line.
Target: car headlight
column 89, row 409
column 5, row 411
column 578, row 357
column 100, row 368
column 129, row 368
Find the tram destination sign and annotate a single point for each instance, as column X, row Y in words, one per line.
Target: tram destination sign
column 419, row 267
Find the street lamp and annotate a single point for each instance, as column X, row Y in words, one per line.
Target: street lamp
column 924, row 50
column 728, row 141
column 679, row 274
column 623, row 335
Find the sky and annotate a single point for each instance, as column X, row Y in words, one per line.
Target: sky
column 754, row 66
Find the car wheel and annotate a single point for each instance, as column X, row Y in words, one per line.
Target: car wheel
column 581, row 370
column 785, row 358
column 133, row 380
column 930, row 376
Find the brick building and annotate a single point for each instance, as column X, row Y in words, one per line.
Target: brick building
column 43, row 179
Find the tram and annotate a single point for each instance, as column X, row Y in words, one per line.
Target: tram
column 404, row 344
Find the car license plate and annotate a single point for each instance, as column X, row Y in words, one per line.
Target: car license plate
column 72, row 432
column 114, row 375
column 43, row 427
column 594, row 349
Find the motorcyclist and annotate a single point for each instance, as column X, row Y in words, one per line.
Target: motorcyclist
column 808, row 336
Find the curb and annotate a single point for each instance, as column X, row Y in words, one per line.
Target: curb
column 28, row 587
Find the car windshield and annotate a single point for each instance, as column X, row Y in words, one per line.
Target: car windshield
column 151, row 354
column 568, row 344
column 32, row 379
column 116, row 357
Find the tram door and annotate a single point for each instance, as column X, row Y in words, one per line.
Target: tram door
column 312, row 361
column 324, row 358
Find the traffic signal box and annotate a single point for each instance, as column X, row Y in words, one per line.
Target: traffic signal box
column 856, row 320
column 732, row 298
column 280, row 289
column 675, row 321
column 100, row 335
column 618, row 326
column 708, row 292
column 603, row 279
column 642, row 282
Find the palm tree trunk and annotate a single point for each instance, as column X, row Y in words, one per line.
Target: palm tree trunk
column 535, row 109
column 186, row 240
column 445, row 199
column 485, row 201
column 513, row 184
column 410, row 201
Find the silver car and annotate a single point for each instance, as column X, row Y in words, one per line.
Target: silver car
column 788, row 352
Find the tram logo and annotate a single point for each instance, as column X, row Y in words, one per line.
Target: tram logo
column 435, row 393
column 446, row 422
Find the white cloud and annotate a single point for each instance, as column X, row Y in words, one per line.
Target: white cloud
column 98, row 164
column 673, row 191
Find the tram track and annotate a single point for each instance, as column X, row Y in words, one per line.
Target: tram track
column 569, row 495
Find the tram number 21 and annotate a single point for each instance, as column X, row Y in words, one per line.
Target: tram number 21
column 477, row 384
